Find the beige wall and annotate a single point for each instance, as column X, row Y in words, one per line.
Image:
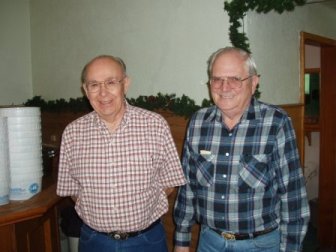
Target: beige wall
column 15, row 57
column 165, row 44
column 313, row 56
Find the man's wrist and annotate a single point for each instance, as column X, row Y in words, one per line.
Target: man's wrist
column 181, row 249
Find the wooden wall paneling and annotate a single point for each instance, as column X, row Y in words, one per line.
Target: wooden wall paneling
column 296, row 112
column 53, row 124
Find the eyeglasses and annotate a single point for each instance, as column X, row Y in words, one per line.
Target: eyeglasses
column 233, row 81
column 110, row 84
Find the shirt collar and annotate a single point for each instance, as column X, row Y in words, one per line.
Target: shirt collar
column 253, row 112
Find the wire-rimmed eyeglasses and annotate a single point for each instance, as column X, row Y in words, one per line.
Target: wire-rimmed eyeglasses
column 109, row 84
column 233, row 81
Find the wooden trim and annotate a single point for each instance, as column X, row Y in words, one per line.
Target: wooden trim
column 313, row 39
column 296, row 112
column 312, row 70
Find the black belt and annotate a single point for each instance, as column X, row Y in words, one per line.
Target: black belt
column 124, row 235
column 233, row 236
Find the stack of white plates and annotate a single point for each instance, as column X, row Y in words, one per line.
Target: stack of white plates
column 25, row 151
column 4, row 162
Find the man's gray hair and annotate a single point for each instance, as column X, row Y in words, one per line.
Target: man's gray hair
column 249, row 61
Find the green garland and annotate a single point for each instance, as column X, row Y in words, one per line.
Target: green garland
column 237, row 9
column 183, row 106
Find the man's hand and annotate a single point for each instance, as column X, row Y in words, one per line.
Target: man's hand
column 181, row 249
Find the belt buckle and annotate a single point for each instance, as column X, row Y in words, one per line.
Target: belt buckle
column 118, row 236
column 228, row 236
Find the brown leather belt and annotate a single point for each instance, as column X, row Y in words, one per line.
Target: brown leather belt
column 116, row 235
column 232, row 236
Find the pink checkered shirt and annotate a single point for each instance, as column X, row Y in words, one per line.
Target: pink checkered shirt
column 119, row 179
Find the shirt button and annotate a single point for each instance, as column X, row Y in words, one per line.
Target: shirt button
column 224, row 175
column 223, row 197
column 227, row 154
column 230, row 134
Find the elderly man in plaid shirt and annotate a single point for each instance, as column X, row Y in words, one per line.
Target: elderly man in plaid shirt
column 245, row 184
column 118, row 162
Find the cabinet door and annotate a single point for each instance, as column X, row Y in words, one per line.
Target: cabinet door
column 7, row 234
column 39, row 234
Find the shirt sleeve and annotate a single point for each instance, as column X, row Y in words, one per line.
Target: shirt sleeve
column 66, row 185
column 184, row 210
column 294, row 208
column 171, row 174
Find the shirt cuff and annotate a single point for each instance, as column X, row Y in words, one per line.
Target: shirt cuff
column 182, row 239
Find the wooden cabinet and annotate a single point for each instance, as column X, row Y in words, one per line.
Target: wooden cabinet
column 31, row 225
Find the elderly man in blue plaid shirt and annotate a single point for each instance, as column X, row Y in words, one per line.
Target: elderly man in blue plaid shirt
column 245, row 183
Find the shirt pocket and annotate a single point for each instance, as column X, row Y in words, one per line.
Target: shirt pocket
column 253, row 173
column 204, row 169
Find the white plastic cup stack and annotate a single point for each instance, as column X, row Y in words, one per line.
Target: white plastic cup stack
column 4, row 162
column 25, row 151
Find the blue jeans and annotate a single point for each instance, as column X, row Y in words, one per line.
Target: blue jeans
column 153, row 240
column 210, row 241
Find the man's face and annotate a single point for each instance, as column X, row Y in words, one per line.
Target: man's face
column 232, row 101
column 107, row 102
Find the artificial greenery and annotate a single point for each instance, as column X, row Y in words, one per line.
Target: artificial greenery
column 80, row 104
column 237, row 9
column 183, row 106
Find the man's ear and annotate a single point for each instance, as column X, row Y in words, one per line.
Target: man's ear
column 126, row 84
column 255, row 83
column 84, row 90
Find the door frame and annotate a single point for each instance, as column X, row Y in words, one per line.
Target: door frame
column 327, row 179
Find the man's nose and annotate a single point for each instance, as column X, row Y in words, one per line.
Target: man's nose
column 225, row 84
column 102, row 88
